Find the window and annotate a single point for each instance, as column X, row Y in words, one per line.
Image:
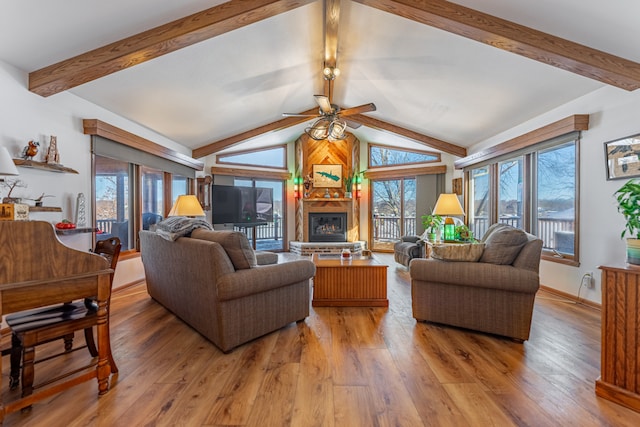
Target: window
column 479, row 203
column 113, row 206
column 380, row 155
column 273, row 157
column 394, row 211
column 555, row 198
column 135, row 189
column 510, row 198
column 535, row 191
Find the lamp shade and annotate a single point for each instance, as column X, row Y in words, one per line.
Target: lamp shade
column 7, row 167
column 186, row 205
column 448, row 204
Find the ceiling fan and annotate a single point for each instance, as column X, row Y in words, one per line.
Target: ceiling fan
column 331, row 124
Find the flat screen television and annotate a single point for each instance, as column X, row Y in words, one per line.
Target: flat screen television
column 241, row 205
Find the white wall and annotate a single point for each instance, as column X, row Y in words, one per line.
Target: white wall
column 25, row 116
column 613, row 114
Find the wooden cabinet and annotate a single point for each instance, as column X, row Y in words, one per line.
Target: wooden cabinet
column 620, row 364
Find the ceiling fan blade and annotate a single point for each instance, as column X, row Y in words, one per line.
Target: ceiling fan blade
column 299, row 115
column 324, row 103
column 352, row 124
column 365, row 108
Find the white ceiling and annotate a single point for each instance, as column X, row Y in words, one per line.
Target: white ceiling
column 420, row 78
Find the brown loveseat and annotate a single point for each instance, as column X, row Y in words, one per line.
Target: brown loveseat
column 210, row 280
column 495, row 294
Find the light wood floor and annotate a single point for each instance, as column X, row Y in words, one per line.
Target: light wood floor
column 343, row 367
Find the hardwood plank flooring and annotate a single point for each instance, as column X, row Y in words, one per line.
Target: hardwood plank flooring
column 342, row 366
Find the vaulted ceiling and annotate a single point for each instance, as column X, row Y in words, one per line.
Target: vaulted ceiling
column 215, row 75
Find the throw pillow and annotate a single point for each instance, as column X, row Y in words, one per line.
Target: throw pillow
column 470, row 252
column 235, row 244
column 503, row 245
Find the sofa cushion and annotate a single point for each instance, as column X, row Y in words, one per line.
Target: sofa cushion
column 234, row 243
column 470, row 252
column 503, row 245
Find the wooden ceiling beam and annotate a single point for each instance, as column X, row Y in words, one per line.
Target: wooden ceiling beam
column 155, row 42
column 220, row 145
column 516, row 38
column 331, row 21
column 429, row 141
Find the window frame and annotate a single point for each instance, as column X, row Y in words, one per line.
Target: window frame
column 220, row 157
column 406, row 150
column 529, row 193
column 170, row 158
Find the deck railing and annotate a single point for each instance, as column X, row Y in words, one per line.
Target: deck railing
column 554, row 232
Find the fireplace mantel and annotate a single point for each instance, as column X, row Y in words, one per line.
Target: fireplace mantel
column 328, row 199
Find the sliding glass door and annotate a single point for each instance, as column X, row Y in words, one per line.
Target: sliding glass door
column 393, row 211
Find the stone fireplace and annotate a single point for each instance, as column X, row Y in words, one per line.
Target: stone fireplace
column 327, row 227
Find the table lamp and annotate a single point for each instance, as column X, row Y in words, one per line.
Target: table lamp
column 7, row 167
column 447, row 205
column 186, row 205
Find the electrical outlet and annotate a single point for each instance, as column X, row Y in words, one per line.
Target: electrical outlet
column 587, row 279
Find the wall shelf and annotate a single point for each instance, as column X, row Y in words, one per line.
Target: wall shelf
column 67, row 231
column 44, row 209
column 43, row 166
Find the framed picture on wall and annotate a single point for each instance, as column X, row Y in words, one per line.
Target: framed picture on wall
column 623, row 157
column 327, row 176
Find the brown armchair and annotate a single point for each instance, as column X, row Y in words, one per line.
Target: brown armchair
column 494, row 295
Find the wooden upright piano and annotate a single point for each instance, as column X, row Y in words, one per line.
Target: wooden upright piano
column 37, row 270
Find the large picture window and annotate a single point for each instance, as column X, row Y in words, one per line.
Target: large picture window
column 133, row 189
column 536, row 190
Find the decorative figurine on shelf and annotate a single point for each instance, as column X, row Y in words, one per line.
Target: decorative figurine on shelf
column 81, row 217
column 53, row 156
column 39, row 199
column 327, row 195
column 30, row 151
column 307, row 184
column 11, row 185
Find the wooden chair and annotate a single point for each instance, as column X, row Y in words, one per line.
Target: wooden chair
column 34, row 327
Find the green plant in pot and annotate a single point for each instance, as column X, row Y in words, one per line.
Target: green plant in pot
column 628, row 197
column 349, row 180
column 464, row 234
column 432, row 225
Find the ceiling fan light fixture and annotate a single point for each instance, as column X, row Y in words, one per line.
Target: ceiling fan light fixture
column 336, row 130
column 330, row 73
column 319, row 130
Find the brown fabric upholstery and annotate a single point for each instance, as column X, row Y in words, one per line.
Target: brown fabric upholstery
column 196, row 280
column 486, row 297
column 234, row 243
column 502, row 244
column 408, row 248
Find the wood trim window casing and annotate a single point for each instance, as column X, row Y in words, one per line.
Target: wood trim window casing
column 105, row 130
column 577, row 122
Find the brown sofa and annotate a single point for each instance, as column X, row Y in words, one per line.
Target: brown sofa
column 494, row 295
column 211, row 281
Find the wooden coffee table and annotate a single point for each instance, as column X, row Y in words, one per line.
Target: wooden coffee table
column 361, row 281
